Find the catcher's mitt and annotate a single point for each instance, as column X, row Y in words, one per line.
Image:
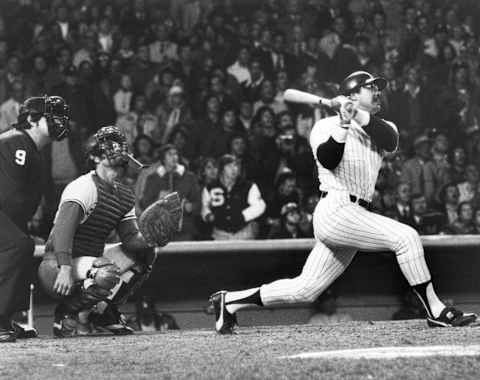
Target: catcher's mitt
column 104, row 272
column 159, row 222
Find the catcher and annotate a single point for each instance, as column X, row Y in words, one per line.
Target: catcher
column 89, row 280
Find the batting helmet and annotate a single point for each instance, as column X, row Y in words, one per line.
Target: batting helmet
column 53, row 108
column 359, row 79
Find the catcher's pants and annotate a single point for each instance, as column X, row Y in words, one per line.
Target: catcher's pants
column 48, row 269
column 16, row 267
column 341, row 229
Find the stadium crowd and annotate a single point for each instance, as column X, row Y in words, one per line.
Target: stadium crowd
column 197, row 87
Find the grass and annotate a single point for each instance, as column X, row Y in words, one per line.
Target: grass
column 252, row 353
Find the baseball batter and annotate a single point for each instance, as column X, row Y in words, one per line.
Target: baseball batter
column 348, row 150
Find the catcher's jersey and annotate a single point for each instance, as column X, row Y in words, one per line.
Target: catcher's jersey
column 105, row 207
column 358, row 169
column 83, row 191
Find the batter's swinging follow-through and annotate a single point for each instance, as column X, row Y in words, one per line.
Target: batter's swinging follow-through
column 348, row 150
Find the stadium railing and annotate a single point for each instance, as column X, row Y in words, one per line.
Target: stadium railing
column 285, row 245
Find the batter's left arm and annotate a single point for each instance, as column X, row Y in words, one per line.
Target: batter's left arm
column 383, row 133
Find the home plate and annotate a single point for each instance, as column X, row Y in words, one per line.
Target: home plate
column 391, row 352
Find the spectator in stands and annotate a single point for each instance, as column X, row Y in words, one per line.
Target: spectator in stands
column 289, row 227
column 285, row 192
column 476, row 222
column 11, row 74
column 143, row 149
column 240, row 68
column 238, row 147
column 294, row 155
column 448, row 201
column 125, row 51
column 218, row 139
column 459, row 160
column 88, row 50
column 171, row 176
column 409, row 105
column 9, row 109
column 412, row 171
column 141, row 70
column 426, row 222
column 77, row 96
column 464, row 223
column 179, row 138
column 231, row 204
column 403, row 210
column 163, row 50
column 467, row 189
column 173, row 112
column 363, row 51
column 35, row 81
column 436, row 171
column 105, row 35
column 122, row 99
column 267, row 99
column 245, row 114
column 252, row 90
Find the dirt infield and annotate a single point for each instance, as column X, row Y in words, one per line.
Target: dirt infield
column 253, row 353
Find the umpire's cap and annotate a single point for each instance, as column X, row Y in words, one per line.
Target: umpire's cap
column 358, row 79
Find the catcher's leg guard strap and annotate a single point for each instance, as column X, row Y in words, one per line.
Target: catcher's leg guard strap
column 130, row 282
column 86, row 298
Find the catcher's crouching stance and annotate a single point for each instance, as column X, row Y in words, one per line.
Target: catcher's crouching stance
column 89, row 280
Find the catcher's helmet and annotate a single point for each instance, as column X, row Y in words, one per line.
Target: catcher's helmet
column 53, row 108
column 358, row 79
column 111, row 143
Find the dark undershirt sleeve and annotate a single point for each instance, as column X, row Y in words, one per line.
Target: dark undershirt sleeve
column 130, row 236
column 383, row 134
column 330, row 153
column 68, row 219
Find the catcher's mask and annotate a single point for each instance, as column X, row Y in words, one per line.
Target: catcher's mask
column 53, row 108
column 110, row 143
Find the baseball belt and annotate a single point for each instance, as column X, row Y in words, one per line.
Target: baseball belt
column 354, row 199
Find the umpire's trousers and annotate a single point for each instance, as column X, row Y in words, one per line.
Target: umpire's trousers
column 16, row 267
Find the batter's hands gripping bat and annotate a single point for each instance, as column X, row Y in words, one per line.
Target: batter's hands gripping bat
column 297, row 96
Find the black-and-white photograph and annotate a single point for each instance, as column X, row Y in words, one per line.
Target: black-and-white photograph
column 239, row 189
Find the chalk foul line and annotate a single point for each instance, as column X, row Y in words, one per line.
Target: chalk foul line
column 391, row 352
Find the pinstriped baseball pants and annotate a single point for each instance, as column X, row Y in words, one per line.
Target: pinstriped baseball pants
column 341, row 229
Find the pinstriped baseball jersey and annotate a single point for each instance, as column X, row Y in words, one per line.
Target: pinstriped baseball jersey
column 358, row 170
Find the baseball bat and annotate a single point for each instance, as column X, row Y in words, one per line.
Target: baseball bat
column 297, row 96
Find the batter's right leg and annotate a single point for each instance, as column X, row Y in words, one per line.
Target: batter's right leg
column 322, row 267
column 354, row 226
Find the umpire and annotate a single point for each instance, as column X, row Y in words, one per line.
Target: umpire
column 41, row 120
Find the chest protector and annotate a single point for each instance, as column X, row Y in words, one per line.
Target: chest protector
column 112, row 204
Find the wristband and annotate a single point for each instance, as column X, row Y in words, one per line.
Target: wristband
column 63, row 258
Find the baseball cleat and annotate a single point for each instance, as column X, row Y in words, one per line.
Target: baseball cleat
column 111, row 320
column 23, row 331
column 64, row 323
column 7, row 333
column 451, row 317
column 225, row 322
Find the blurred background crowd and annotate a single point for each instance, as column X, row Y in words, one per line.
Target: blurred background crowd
column 197, row 88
